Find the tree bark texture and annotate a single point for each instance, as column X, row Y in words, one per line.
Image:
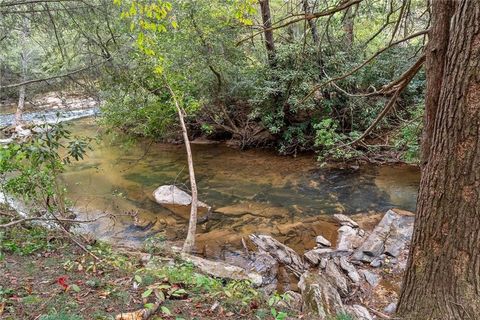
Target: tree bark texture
column 442, row 280
column 267, row 25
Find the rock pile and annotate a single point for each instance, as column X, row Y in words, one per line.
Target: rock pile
column 335, row 280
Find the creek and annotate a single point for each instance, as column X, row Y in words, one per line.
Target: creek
column 254, row 191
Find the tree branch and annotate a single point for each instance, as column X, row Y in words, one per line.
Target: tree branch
column 18, row 3
column 15, row 222
column 305, row 16
column 54, row 77
column 376, row 54
column 399, row 86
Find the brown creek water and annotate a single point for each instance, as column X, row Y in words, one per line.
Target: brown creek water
column 252, row 191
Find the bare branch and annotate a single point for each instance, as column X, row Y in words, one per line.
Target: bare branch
column 376, row 54
column 18, row 3
column 400, row 85
column 305, row 16
column 15, row 222
column 54, row 77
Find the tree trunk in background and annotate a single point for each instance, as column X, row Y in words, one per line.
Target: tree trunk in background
column 311, row 23
column 24, row 70
column 348, row 24
column 189, row 243
column 442, row 280
column 267, row 24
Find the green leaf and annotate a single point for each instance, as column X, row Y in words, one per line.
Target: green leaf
column 166, row 311
column 147, row 293
column 138, row 278
column 75, row 288
column 148, row 305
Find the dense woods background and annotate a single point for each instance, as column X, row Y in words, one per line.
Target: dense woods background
column 293, row 75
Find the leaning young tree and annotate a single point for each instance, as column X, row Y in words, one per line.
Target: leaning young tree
column 147, row 21
column 442, row 280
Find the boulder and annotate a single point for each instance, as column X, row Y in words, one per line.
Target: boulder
column 294, row 301
column 371, row 277
column 265, row 265
column 178, row 201
column 280, row 252
column 390, row 236
column 22, row 133
column 319, row 296
column 336, row 278
column 391, row 308
column 223, row 270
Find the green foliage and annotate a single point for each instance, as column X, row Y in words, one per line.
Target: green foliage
column 15, row 240
column 30, row 170
column 408, row 138
column 5, row 293
column 273, row 301
column 332, row 144
column 155, row 244
column 343, row 316
column 60, row 316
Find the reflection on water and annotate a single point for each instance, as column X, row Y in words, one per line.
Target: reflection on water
column 251, row 191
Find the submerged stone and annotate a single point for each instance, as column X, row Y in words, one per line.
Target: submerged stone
column 178, row 201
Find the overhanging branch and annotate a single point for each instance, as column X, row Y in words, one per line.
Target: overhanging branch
column 10, row 86
column 18, row 3
column 306, row 16
column 363, row 64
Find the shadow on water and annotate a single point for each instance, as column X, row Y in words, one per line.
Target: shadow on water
column 250, row 191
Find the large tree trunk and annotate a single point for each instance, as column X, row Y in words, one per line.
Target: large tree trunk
column 24, row 70
column 267, row 25
column 439, row 36
column 442, row 280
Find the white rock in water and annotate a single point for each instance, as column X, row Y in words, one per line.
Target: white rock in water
column 322, row 241
column 170, row 194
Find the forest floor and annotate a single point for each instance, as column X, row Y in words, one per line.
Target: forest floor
column 45, row 276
